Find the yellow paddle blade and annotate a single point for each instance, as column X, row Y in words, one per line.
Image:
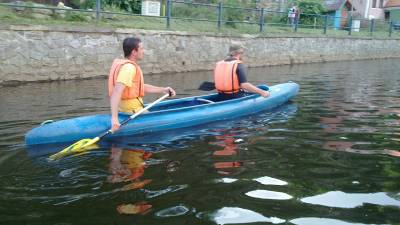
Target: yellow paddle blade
column 77, row 147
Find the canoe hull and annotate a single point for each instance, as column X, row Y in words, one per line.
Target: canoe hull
column 167, row 115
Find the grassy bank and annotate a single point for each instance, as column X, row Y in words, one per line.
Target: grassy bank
column 54, row 17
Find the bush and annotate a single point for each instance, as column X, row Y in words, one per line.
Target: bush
column 195, row 12
column 308, row 9
column 76, row 17
column 133, row 6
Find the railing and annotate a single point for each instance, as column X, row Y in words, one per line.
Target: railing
column 246, row 20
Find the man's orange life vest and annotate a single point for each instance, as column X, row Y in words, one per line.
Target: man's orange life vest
column 137, row 89
column 226, row 78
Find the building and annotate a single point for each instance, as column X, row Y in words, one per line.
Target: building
column 361, row 9
column 392, row 11
column 339, row 11
column 370, row 9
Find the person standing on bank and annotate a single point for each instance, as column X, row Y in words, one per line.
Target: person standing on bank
column 230, row 76
column 126, row 86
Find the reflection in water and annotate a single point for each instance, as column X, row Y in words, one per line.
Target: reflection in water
column 168, row 189
column 235, row 215
column 348, row 147
column 351, row 200
column 229, row 148
column 173, row 211
column 363, row 108
column 138, row 208
column 320, row 221
column 128, row 166
column 342, row 132
column 270, row 181
column 226, row 180
column 264, row 194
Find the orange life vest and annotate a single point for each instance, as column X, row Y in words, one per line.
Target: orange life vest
column 225, row 76
column 137, row 89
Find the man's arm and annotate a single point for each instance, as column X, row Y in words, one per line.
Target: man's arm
column 241, row 72
column 154, row 89
column 115, row 99
column 251, row 88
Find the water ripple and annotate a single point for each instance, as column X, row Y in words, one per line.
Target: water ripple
column 351, row 200
column 236, row 215
column 273, row 195
column 319, row 221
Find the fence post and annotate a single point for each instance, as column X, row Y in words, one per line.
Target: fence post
column 168, row 13
column 98, row 8
column 219, row 16
column 372, row 27
column 390, row 28
column 262, row 20
column 350, row 24
column 325, row 23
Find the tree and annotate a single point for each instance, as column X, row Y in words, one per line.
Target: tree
column 308, row 9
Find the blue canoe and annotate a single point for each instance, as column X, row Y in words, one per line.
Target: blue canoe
column 166, row 115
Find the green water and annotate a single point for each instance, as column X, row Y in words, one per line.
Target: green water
column 330, row 156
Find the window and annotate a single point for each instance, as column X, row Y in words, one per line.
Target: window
column 376, row 4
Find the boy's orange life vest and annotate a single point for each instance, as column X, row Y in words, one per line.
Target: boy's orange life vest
column 137, row 89
column 226, row 78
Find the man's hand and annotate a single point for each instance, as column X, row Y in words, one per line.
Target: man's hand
column 170, row 91
column 265, row 94
column 115, row 124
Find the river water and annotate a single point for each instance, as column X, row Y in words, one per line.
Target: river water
column 329, row 156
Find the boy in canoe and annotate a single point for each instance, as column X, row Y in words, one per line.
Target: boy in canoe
column 230, row 75
column 126, row 86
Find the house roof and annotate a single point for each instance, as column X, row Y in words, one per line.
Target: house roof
column 333, row 5
column 392, row 3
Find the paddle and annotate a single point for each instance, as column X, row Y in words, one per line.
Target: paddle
column 83, row 144
column 207, row 86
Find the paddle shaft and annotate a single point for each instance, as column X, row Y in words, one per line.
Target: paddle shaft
column 136, row 114
column 207, row 86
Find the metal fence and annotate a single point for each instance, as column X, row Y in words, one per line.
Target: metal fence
column 224, row 18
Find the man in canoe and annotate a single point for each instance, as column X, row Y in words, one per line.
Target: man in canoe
column 126, row 87
column 230, row 75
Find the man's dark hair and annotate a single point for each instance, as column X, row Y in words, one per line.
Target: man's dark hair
column 129, row 44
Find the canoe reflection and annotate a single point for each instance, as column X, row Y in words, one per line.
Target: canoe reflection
column 129, row 166
column 229, row 148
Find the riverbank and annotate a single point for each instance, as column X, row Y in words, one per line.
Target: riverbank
column 43, row 53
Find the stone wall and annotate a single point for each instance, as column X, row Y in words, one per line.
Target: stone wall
column 40, row 53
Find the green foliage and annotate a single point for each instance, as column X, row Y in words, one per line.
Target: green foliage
column 197, row 12
column 231, row 14
column 76, row 17
column 88, row 4
column 276, row 18
column 6, row 13
column 206, row 1
column 243, row 4
column 229, row 11
column 133, row 6
column 308, row 10
column 311, row 6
